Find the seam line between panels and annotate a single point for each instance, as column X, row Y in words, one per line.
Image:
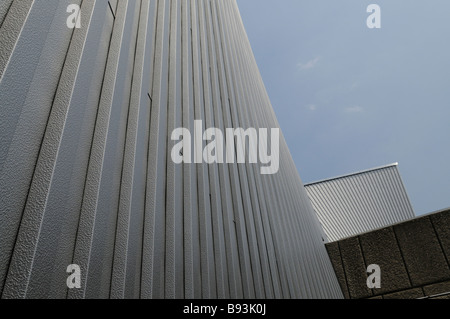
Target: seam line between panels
column 403, row 257
column 35, row 166
column 150, row 89
column 2, row 72
column 343, row 270
column 112, row 11
column 6, row 13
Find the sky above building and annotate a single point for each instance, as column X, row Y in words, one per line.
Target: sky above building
column 350, row 98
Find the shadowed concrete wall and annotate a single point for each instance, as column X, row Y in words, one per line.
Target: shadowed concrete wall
column 413, row 257
column 85, row 159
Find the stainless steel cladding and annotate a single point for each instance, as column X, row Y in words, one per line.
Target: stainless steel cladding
column 90, row 92
column 360, row 202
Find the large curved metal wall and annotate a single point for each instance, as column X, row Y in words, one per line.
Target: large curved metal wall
column 86, row 174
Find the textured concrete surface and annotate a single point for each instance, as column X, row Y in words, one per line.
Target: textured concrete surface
column 406, row 294
column 442, row 297
column 413, row 257
column 436, row 289
column 334, row 253
column 355, row 268
column 380, row 248
column 441, row 223
column 422, row 252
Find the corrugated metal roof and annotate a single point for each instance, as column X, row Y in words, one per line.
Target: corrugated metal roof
column 360, row 202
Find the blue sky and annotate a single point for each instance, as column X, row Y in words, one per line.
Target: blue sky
column 350, row 98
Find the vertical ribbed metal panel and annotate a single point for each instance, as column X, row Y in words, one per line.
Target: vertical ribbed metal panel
column 361, row 202
column 85, row 159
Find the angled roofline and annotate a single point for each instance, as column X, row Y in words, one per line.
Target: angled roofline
column 352, row 174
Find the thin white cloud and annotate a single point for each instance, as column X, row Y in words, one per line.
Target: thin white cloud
column 309, row 65
column 354, row 86
column 312, row 107
column 354, row 109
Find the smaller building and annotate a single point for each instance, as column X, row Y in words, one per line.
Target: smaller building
column 360, row 202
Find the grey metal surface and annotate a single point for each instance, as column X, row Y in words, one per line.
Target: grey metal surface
column 86, row 175
column 353, row 204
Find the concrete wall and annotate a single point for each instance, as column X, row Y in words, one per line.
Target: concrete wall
column 86, row 175
column 413, row 256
